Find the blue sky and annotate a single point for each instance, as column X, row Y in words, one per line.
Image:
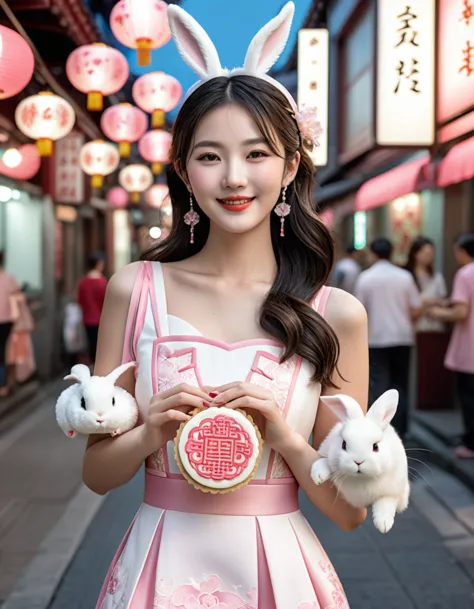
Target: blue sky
column 231, row 25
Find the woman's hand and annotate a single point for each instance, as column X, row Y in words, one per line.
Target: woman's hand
column 168, row 410
column 261, row 405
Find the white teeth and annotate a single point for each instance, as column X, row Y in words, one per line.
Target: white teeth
column 241, row 202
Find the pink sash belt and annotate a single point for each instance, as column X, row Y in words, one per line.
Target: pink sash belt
column 250, row 500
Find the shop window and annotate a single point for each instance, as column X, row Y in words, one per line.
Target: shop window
column 357, row 86
column 21, row 227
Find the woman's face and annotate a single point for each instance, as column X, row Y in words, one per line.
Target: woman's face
column 232, row 172
column 425, row 255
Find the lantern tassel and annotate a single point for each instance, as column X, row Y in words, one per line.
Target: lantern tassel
column 95, row 101
column 124, row 149
column 135, row 197
column 144, row 51
column 157, row 119
column 45, row 147
column 97, row 181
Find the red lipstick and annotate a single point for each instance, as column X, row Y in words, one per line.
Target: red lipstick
column 236, row 203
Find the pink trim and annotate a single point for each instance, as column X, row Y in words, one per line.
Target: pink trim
column 144, row 594
column 250, row 500
column 289, row 398
column 114, row 562
column 127, row 355
column 254, row 482
column 266, row 599
column 255, row 366
column 142, row 306
column 218, row 343
column 153, row 301
column 192, row 365
column 326, row 290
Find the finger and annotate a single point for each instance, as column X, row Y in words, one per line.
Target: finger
column 180, row 401
column 266, row 408
column 184, row 388
column 240, row 390
column 171, row 415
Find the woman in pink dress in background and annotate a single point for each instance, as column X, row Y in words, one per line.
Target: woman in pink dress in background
column 231, row 311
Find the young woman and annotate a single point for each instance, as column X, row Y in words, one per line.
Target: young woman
column 237, row 316
column 434, row 382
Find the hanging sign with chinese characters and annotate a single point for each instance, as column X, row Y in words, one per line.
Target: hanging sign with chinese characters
column 313, row 82
column 69, row 178
column 455, row 57
column 405, row 72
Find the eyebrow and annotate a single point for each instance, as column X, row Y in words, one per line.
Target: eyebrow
column 214, row 144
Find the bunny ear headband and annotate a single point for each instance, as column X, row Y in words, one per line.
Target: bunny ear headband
column 199, row 52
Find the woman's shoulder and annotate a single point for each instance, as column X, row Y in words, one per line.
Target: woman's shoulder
column 121, row 283
column 344, row 312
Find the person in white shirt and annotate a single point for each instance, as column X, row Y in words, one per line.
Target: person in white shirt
column 347, row 270
column 393, row 305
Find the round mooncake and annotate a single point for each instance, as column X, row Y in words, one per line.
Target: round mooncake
column 218, row 450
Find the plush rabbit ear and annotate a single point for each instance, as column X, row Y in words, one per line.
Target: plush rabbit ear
column 267, row 46
column 194, row 45
column 115, row 374
column 79, row 373
column 384, row 408
column 343, row 406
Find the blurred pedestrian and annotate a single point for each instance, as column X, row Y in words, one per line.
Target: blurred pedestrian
column 90, row 296
column 434, row 387
column 347, row 270
column 460, row 354
column 8, row 288
column 393, row 304
column 20, row 353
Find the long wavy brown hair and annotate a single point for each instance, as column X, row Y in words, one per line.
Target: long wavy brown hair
column 304, row 256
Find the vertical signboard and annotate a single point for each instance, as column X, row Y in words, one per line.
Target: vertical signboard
column 313, row 83
column 405, row 72
column 455, row 58
column 69, row 177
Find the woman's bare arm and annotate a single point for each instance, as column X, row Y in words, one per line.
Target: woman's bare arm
column 348, row 318
column 111, row 462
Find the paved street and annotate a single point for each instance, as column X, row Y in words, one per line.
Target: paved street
column 57, row 535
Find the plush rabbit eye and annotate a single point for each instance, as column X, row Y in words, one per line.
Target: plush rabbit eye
column 83, row 403
column 113, row 401
column 375, row 448
column 344, row 445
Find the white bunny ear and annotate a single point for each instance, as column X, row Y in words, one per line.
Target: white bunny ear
column 194, row 45
column 79, row 373
column 343, row 406
column 115, row 374
column 384, row 408
column 268, row 44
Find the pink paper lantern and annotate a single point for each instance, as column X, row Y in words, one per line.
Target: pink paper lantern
column 157, row 195
column 28, row 166
column 98, row 70
column 17, row 63
column 99, row 159
column 45, row 118
column 157, row 93
column 154, row 147
column 135, row 179
column 124, row 123
column 117, row 197
column 141, row 25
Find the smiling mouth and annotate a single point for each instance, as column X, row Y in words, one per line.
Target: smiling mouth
column 236, row 203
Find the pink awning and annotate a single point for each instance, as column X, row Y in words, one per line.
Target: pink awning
column 401, row 180
column 457, row 165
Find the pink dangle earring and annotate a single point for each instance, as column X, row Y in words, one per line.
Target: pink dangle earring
column 282, row 210
column 191, row 218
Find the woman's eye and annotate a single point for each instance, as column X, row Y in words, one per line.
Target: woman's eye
column 344, row 445
column 208, row 157
column 257, row 154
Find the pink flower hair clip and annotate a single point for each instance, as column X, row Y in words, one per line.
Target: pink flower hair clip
column 309, row 126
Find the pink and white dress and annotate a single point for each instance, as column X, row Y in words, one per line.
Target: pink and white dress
column 248, row 549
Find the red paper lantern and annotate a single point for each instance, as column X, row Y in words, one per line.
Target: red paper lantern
column 157, row 93
column 156, row 195
column 28, row 166
column 117, row 197
column 99, row 159
column 141, row 25
column 154, row 147
column 124, row 124
column 45, row 118
column 17, row 63
column 98, row 70
column 135, row 179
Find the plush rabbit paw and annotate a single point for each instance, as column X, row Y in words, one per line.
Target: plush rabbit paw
column 320, row 471
column 383, row 513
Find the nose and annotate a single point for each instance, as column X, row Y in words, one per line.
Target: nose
column 358, row 462
column 235, row 176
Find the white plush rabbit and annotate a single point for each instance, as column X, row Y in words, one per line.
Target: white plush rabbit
column 95, row 405
column 365, row 458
